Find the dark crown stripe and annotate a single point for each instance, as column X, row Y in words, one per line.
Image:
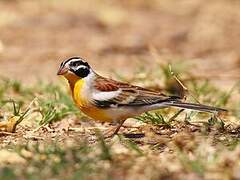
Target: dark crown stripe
column 79, row 59
column 66, row 61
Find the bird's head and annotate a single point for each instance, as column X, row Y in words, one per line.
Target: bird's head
column 74, row 68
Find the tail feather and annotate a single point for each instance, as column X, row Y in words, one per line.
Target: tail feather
column 193, row 106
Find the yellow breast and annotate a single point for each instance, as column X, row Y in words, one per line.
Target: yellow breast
column 78, row 95
column 85, row 105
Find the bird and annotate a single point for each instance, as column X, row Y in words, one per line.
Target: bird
column 107, row 100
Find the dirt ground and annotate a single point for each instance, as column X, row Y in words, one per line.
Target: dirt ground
column 36, row 36
column 119, row 39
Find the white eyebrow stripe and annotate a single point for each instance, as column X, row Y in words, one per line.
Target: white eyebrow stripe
column 82, row 66
column 103, row 96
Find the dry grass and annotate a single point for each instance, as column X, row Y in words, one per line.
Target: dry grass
column 132, row 41
column 51, row 138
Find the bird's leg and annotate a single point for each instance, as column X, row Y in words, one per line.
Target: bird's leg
column 118, row 127
column 116, row 130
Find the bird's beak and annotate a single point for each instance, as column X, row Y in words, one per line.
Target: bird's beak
column 62, row 71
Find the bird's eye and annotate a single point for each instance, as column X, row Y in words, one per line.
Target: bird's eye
column 75, row 63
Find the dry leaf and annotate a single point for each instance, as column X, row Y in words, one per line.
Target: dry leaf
column 10, row 124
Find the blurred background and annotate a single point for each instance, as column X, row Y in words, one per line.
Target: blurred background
column 35, row 36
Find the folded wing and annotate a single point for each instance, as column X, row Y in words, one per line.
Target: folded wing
column 125, row 94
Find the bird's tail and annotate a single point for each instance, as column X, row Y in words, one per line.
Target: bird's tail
column 193, row 106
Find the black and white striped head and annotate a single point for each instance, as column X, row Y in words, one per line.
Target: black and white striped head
column 75, row 65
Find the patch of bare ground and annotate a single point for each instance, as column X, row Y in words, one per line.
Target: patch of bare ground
column 36, row 36
column 133, row 41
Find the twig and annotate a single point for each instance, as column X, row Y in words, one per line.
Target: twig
column 7, row 133
column 183, row 86
column 33, row 137
column 175, row 115
column 87, row 128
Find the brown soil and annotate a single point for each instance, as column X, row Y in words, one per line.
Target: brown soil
column 36, row 36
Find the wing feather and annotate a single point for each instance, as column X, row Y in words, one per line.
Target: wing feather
column 128, row 95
